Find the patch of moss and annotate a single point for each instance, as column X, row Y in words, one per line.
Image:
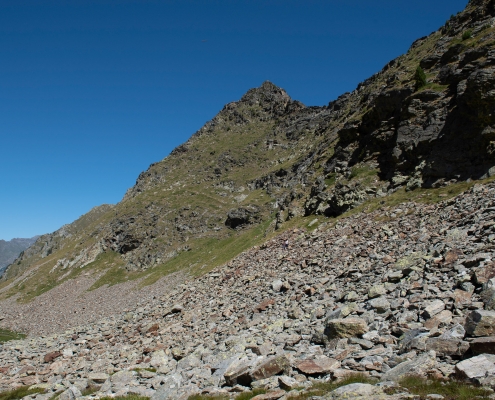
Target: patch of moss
column 451, row 390
column 6, row 335
column 128, row 397
column 320, row 389
column 19, row 393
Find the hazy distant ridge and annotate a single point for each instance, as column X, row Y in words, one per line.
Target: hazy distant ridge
column 10, row 250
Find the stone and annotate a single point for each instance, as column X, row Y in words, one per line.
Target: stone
column 417, row 366
column 483, row 274
column 442, row 318
column 461, row 298
column 267, row 383
column 238, row 373
column 456, row 332
column 287, row 382
column 70, row 394
column 51, row 356
column 123, row 378
column 319, row 366
column 169, row 388
column 480, row 323
column 270, row 367
column 242, row 216
column 483, row 345
column 357, row 391
column 277, row 285
column 376, row 291
column 433, row 308
column 97, row 377
column 447, row 347
column 158, row 359
column 477, row 367
column 346, row 327
column 380, row 304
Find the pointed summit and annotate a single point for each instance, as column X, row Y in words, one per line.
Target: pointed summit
column 272, row 99
column 266, row 93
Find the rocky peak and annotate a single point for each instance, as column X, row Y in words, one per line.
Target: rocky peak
column 267, row 93
column 261, row 103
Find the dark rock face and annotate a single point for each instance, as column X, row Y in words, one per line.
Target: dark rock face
column 242, row 216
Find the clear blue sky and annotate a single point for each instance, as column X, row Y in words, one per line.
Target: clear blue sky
column 92, row 92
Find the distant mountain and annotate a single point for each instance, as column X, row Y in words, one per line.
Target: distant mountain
column 10, row 250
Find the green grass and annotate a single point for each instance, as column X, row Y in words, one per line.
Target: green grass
column 206, row 254
column 19, row 393
column 467, row 34
column 434, row 86
column 6, row 335
column 145, row 369
column 208, row 397
column 451, row 390
column 320, row 389
column 128, row 397
column 89, row 390
column 242, row 396
column 363, row 172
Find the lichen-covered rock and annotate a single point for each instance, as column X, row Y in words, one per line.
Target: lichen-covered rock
column 417, row 366
column 481, row 366
column 346, row 327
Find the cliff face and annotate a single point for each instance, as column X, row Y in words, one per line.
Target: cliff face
column 267, row 159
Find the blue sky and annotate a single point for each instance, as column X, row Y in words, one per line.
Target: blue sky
column 93, row 92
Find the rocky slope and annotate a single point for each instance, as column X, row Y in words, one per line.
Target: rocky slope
column 267, row 159
column 11, row 249
column 390, row 287
column 400, row 290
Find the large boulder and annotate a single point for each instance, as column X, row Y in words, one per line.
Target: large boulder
column 270, row 367
column 357, row 391
column 480, row 323
column 417, row 366
column 475, row 368
column 483, row 345
column 346, row 327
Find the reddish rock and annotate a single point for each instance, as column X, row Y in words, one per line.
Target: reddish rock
column 52, row 356
column 443, row 317
column 322, row 365
column 452, row 256
column 264, row 305
column 484, row 274
column 29, row 380
column 270, row 367
column 447, row 347
column 154, row 328
column 461, row 297
column 483, row 345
